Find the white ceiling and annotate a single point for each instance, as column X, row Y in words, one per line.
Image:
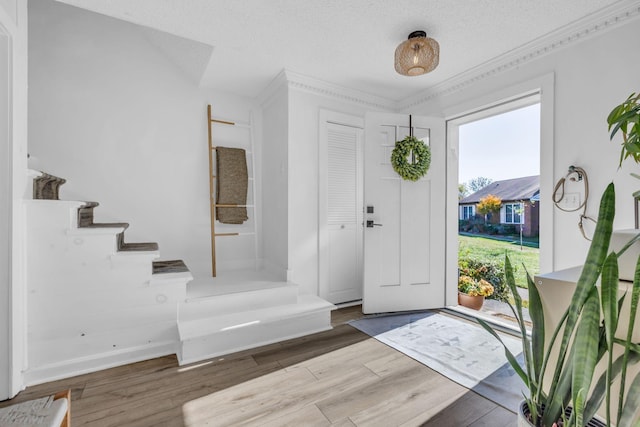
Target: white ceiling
column 347, row 42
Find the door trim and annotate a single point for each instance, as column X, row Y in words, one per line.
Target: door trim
column 507, row 98
column 8, row 364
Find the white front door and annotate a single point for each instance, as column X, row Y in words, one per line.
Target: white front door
column 404, row 233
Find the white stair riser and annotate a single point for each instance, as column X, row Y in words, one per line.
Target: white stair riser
column 65, row 279
column 225, row 342
column 232, row 303
column 86, row 245
column 59, row 214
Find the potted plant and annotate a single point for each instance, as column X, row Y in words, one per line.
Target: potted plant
column 582, row 341
column 471, row 292
column 625, row 118
column 581, row 338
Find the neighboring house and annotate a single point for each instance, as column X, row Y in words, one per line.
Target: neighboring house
column 520, row 203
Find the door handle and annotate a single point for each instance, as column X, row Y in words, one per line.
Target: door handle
column 370, row 224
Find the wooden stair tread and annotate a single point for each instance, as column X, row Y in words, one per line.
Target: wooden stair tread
column 106, row 225
column 135, row 247
column 47, row 187
column 170, row 266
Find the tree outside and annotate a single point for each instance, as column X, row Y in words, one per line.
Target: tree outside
column 489, row 205
column 477, row 184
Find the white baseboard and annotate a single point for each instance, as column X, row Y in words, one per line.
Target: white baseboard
column 93, row 363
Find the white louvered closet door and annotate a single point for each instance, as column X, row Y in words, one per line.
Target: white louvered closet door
column 341, row 213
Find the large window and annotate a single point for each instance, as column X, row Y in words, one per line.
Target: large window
column 467, row 212
column 513, row 213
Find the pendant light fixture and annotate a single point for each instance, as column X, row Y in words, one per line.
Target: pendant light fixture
column 417, row 55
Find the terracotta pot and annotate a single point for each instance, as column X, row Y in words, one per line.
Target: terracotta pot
column 523, row 417
column 468, row 301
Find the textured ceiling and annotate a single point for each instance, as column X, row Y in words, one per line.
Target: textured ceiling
column 346, row 42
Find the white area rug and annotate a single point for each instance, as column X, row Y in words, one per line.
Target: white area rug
column 462, row 351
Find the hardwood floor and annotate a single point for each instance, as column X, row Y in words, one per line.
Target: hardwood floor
column 340, row 377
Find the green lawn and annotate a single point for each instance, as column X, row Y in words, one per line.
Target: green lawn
column 483, row 248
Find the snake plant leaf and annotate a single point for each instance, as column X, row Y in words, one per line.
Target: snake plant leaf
column 635, row 348
column 631, row 405
column 609, row 294
column 586, row 351
column 633, row 309
column 510, row 357
column 537, row 328
column 578, row 407
column 526, row 346
column 556, row 403
column 630, row 242
column 599, row 390
column 590, row 273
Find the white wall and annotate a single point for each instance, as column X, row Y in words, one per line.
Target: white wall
column 304, row 117
column 275, row 182
column 126, row 127
column 591, row 77
column 13, row 92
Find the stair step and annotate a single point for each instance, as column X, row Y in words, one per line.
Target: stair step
column 207, row 298
column 217, row 335
column 85, row 218
column 138, row 247
column 135, row 247
column 85, row 214
column 124, row 225
column 202, row 327
column 47, row 187
column 172, row 266
column 171, row 271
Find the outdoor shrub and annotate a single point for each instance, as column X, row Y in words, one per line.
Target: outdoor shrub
column 506, row 229
column 492, row 272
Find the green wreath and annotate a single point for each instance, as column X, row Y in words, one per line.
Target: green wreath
column 411, row 158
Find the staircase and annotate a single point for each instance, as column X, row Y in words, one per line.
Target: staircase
column 94, row 300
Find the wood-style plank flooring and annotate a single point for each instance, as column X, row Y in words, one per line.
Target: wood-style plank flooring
column 340, row 377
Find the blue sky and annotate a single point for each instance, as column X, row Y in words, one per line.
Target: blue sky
column 501, row 147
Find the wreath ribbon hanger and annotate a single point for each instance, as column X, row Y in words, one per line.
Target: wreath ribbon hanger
column 413, row 155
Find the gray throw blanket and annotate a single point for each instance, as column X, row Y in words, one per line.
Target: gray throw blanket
column 232, row 181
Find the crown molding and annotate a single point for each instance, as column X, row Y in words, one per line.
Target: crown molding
column 318, row 87
column 266, row 97
column 303, row 83
column 590, row 26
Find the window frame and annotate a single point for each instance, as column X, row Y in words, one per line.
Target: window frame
column 514, row 206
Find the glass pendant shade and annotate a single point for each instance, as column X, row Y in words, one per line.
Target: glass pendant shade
column 417, row 55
